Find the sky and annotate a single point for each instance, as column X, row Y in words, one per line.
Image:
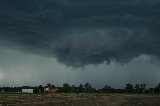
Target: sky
column 67, row 41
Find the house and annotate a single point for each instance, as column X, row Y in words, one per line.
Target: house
column 50, row 89
column 27, row 90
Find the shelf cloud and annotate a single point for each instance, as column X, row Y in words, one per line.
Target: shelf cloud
column 82, row 32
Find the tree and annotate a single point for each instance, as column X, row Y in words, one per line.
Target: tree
column 140, row 88
column 66, row 88
column 88, row 88
column 49, row 85
column 41, row 89
column 150, row 90
column 73, row 89
column 129, row 88
column 157, row 88
column 106, row 89
column 53, row 86
column 80, row 88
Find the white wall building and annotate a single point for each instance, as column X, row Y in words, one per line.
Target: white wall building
column 27, row 90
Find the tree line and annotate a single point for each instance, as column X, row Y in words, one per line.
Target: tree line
column 86, row 88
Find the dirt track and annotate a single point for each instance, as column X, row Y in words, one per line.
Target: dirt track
column 80, row 100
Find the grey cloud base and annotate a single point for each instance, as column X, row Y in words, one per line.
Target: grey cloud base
column 82, row 32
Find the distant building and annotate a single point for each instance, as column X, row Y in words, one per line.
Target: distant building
column 27, row 90
column 50, row 89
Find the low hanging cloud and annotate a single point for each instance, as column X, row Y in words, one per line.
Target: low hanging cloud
column 82, row 32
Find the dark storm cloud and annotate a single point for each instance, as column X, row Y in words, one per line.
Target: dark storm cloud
column 82, row 32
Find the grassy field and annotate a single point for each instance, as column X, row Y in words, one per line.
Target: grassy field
column 82, row 99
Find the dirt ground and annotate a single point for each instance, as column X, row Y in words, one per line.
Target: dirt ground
column 79, row 100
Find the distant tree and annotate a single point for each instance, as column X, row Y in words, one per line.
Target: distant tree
column 143, row 88
column 157, row 88
column 136, row 88
column 41, row 89
column 74, row 89
column 150, row 90
column 49, row 85
column 140, row 88
column 66, row 88
column 118, row 90
column 129, row 88
column 80, row 88
column 53, row 86
column 107, row 89
column 88, row 88
column 36, row 90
